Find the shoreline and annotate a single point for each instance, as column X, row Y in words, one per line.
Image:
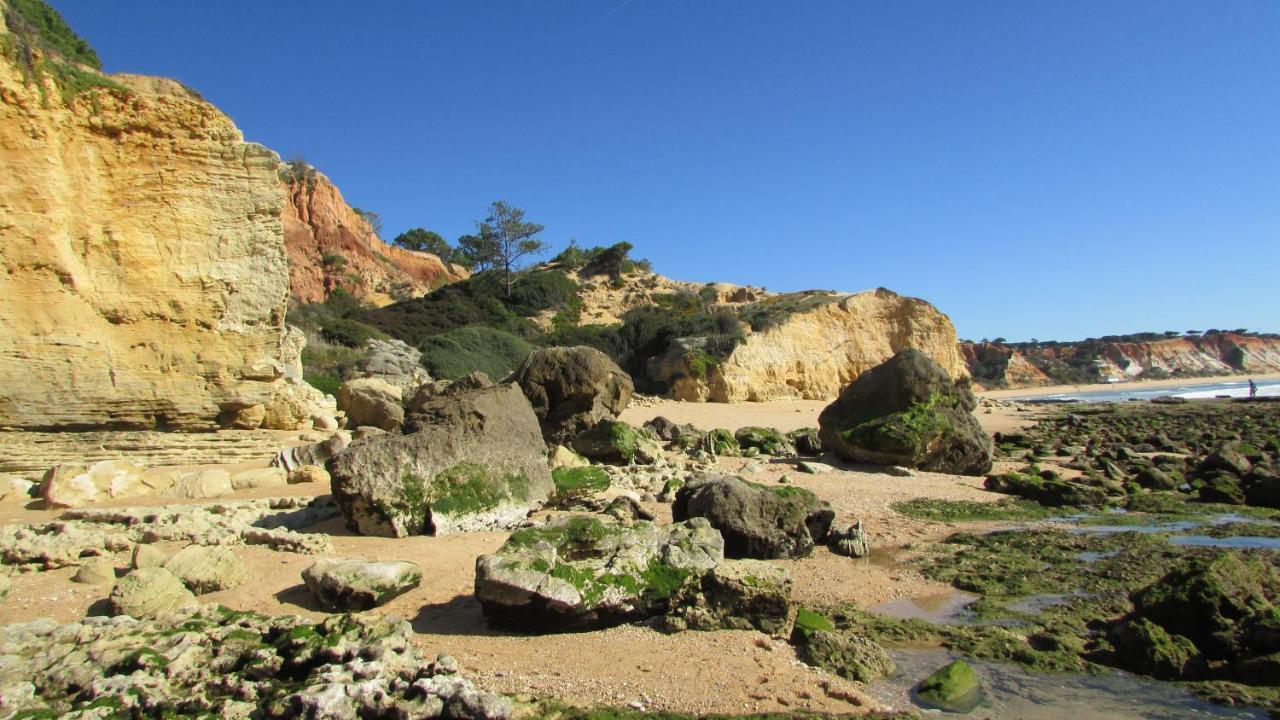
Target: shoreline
column 1134, row 385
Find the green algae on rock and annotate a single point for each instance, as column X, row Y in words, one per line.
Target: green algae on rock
column 954, row 688
column 583, row 572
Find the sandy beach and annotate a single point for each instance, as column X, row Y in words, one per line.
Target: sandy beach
column 1138, row 385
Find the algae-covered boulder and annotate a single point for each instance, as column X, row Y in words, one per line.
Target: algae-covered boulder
column 818, row 642
column 736, row 595
column 954, row 688
column 585, row 572
column 1220, row 486
column 766, row 440
column 908, row 411
column 1211, row 600
column 1144, row 647
column 615, row 442
column 572, row 389
column 578, row 481
column 756, row 521
column 476, row 462
column 357, row 584
column 1051, row 492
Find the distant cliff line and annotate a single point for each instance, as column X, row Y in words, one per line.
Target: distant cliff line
column 1145, row 356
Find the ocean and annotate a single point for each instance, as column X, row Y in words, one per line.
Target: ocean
column 1192, row 391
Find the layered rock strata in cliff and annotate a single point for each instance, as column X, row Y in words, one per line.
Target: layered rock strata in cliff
column 331, row 247
column 144, row 275
column 812, row 353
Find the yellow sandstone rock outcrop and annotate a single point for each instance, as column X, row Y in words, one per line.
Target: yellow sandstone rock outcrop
column 813, row 353
column 144, row 276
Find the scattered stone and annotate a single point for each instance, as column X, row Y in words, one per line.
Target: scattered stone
column 148, row 593
column 145, row 556
column 899, row 471
column 67, row 486
column 583, row 573
column 259, row 478
column 343, row 585
column 5, row 585
column 627, row 509
column 371, row 401
column 756, row 521
column 309, row 474
column 736, row 595
column 206, row 569
column 662, row 428
column 807, row 442
column 814, row 468
column 317, row 454
column 562, row 457
column 719, row 442
column 212, row 662
column 908, row 411
column 200, row 485
column 953, row 688
column 850, row 541
column 477, row 462
column 96, row 571
column 572, row 389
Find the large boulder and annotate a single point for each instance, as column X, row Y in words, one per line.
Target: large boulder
column 68, row 486
column 572, row 389
column 617, row 443
column 908, row 411
column 848, row 654
column 584, row 572
column 371, row 401
column 476, row 462
column 395, row 362
column 341, row 585
column 757, row 521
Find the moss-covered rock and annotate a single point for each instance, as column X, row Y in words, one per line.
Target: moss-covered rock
column 720, row 442
column 570, row 481
column 848, row 655
column 615, row 442
column 1220, row 486
column 736, row 595
column 806, row 441
column 766, row 440
column 1146, row 648
column 585, row 572
column 476, row 462
column 908, row 411
column 954, row 687
column 1052, row 491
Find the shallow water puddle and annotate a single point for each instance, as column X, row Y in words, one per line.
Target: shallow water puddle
column 948, row 607
column 1240, row 542
column 1012, row 692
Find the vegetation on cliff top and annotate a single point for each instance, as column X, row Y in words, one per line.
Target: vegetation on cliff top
column 40, row 24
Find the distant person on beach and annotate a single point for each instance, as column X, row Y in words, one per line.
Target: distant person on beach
column 1253, row 389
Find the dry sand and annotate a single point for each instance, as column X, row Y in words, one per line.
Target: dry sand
column 724, row 672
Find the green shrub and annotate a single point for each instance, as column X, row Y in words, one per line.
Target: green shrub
column 350, row 333
column 325, row 366
column 542, row 290
column 474, row 301
column 52, row 31
column 463, row 350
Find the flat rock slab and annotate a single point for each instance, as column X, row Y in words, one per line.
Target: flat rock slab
column 341, row 585
column 208, row 569
column 149, row 593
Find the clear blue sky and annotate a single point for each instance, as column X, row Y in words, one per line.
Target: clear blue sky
column 1035, row 168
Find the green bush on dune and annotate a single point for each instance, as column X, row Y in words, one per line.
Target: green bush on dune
column 464, row 350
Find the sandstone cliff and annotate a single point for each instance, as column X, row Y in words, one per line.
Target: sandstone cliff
column 814, row 351
column 330, row 246
column 144, row 275
column 1027, row 365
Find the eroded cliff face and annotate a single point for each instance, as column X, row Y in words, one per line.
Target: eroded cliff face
column 144, row 275
column 330, row 247
column 1219, row 353
column 814, row 353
